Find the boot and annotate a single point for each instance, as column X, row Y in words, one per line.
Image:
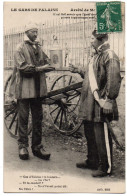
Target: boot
column 23, row 153
column 102, row 170
column 99, row 173
column 87, row 165
column 41, row 153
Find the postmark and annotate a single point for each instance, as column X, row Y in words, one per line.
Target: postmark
column 109, row 17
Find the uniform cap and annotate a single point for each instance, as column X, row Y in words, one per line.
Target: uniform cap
column 98, row 35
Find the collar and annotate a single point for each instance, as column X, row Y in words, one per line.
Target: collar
column 105, row 46
column 26, row 39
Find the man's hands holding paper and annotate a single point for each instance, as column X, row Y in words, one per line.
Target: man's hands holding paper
column 45, row 68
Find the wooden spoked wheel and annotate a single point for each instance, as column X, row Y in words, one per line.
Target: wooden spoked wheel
column 64, row 111
column 11, row 112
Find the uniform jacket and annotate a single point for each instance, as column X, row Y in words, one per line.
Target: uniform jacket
column 107, row 73
column 25, row 83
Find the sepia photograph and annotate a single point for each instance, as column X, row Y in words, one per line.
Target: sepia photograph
column 64, row 97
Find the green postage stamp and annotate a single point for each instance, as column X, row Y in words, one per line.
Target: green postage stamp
column 109, row 17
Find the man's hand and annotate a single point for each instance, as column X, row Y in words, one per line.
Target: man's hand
column 73, row 68
column 31, row 68
column 45, row 68
column 101, row 102
column 106, row 105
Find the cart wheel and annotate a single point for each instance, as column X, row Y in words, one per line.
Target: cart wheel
column 64, row 113
column 11, row 112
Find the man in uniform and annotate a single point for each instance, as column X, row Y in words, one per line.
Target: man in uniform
column 100, row 89
column 28, row 85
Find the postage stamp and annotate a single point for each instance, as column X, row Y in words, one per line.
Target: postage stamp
column 109, row 17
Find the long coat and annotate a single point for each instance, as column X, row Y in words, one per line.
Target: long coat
column 107, row 73
column 25, row 83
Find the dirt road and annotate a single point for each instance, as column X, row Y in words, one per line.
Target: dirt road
column 65, row 153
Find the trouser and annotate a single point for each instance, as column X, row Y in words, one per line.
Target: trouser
column 24, row 106
column 92, row 154
column 99, row 143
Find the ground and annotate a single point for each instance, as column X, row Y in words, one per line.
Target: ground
column 66, row 151
column 77, row 144
column 72, row 149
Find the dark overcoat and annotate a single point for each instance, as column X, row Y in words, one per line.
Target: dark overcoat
column 107, row 73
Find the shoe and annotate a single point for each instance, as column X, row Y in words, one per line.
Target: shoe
column 41, row 153
column 86, row 165
column 23, row 153
column 99, row 173
column 82, row 165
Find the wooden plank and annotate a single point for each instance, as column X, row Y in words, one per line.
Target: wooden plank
column 63, row 90
column 55, row 98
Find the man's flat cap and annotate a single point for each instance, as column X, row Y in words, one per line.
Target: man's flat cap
column 30, row 26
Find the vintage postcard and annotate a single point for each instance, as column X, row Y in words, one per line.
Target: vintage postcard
column 64, row 97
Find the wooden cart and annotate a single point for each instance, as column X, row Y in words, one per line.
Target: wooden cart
column 63, row 103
